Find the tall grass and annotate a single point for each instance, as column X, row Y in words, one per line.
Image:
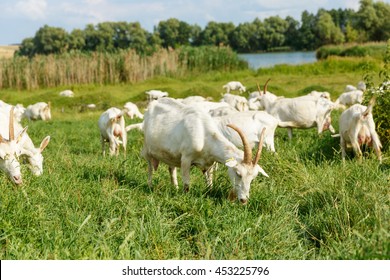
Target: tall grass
column 88, row 207
column 85, row 206
column 125, row 66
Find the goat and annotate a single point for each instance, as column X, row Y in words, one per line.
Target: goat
column 323, row 94
column 234, row 85
column 27, row 148
column 18, row 110
column 155, row 94
column 349, row 98
column 133, row 111
column 181, row 136
column 251, row 123
column 238, row 102
column 357, row 127
column 67, row 93
column 112, row 130
column 38, row 111
column 10, row 149
column 299, row 112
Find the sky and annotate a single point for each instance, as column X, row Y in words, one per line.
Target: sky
column 20, row 19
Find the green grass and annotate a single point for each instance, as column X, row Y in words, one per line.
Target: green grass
column 86, row 206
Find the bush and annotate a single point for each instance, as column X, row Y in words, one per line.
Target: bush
column 381, row 110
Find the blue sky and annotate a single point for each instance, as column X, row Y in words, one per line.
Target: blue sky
column 20, row 19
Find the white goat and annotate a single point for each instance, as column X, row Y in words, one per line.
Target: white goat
column 10, row 149
column 357, row 127
column 18, row 110
column 67, row 93
column 251, row 123
column 323, row 94
column 181, row 136
column 38, row 111
column 238, row 102
column 349, row 98
column 27, row 148
column 234, row 85
column 222, row 111
column 360, row 86
column 155, row 94
column 133, row 110
column 112, row 130
column 254, row 98
column 300, row 112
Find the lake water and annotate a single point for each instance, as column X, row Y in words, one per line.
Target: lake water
column 258, row 60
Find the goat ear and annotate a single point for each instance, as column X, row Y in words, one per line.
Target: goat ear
column 231, row 162
column 21, row 134
column 261, row 170
column 44, row 143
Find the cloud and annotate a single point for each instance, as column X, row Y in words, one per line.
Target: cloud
column 32, row 9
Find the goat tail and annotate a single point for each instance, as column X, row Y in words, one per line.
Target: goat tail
column 371, row 104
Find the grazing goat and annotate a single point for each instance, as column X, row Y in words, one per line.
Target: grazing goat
column 360, row 86
column 27, row 148
column 254, row 99
column 357, row 128
column 112, row 130
column 18, row 110
column 299, row 112
column 251, row 123
column 182, row 136
column 323, row 94
column 238, row 102
column 38, row 111
column 10, row 149
column 67, row 93
column 349, row 98
column 133, row 111
column 234, row 85
column 155, row 94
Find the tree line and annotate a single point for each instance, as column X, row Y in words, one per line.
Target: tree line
column 370, row 23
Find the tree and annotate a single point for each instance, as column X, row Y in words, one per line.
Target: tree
column 275, row 28
column 292, row 33
column 48, row 40
column 217, row 33
column 27, row 48
column 327, row 31
column 174, row 33
column 307, row 37
column 76, row 40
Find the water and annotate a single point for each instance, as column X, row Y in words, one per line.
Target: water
column 258, row 60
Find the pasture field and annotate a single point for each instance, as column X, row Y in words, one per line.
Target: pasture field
column 86, row 206
column 8, row 51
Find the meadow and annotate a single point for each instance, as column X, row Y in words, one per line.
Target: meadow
column 86, row 206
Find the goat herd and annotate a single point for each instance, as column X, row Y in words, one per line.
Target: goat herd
column 197, row 131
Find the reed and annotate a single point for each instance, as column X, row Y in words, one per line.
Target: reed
column 125, row 66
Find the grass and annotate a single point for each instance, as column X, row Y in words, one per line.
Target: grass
column 85, row 206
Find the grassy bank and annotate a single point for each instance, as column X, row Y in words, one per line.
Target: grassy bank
column 372, row 49
column 85, row 206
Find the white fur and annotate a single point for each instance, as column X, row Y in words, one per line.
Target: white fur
column 182, row 136
column 234, row 85
column 112, row 130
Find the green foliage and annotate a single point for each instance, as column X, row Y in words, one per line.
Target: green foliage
column 381, row 92
column 376, row 50
column 370, row 23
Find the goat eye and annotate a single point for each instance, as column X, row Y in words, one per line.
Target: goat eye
column 239, row 174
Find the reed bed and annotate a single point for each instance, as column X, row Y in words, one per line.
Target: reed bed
column 125, row 66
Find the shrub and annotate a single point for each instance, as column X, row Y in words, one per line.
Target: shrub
column 381, row 110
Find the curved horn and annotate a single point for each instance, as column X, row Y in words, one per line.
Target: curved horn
column 11, row 124
column 260, row 148
column 258, row 88
column 265, row 86
column 247, row 148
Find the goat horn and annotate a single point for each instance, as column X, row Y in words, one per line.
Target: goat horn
column 247, row 148
column 2, row 140
column 265, row 86
column 11, row 125
column 260, row 148
column 258, row 88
